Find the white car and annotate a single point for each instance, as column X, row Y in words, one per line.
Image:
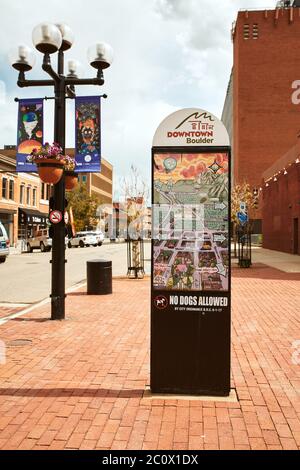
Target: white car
column 99, row 235
column 4, row 244
column 49, row 242
column 83, row 239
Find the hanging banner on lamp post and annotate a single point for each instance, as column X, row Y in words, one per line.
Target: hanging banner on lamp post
column 30, row 131
column 87, row 134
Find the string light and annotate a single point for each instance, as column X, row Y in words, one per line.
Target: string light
column 284, row 171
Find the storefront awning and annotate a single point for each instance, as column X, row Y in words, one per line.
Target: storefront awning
column 7, row 211
column 32, row 217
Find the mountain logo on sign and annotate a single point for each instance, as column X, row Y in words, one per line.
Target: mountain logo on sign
column 197, row 116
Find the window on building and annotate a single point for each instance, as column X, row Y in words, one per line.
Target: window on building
column 34, row 197
column 4, row 188
column 11, row 189
column 28, row 196
column 48, row 188
column 84, row 178
column 43, row 191
column 22, row 189
column 255, row 31
column 246, row 31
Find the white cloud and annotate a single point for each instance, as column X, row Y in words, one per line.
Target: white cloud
column 168, row 54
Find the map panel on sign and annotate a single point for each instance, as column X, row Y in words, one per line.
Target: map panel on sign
column 190, row 220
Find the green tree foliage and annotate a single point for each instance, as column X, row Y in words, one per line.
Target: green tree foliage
column 84, row 206
column 241, row 193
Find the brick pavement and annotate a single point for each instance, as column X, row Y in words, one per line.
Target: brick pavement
column 79, row 383
column 8, row 310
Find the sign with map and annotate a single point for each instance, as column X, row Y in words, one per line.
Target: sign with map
column 190, row 290
column 190, row 220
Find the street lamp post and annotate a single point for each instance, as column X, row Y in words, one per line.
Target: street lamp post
column 49, row 39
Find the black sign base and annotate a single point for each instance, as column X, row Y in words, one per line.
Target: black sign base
column 193, row 356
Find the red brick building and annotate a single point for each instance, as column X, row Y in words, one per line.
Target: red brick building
column 281, row 204
column 259, row 113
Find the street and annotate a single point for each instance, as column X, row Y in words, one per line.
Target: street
column 26, row 278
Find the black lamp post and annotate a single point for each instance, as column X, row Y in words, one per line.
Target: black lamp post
column 49, row 39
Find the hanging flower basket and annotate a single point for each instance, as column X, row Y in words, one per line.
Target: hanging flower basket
column 50, row 162
column 71, row 178
column 50, row 170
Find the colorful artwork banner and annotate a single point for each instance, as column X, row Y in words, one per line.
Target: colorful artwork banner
column 87, row 134
column 30, row 131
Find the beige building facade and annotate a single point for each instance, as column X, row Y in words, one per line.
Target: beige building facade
column 98, row 184
column 24, row 199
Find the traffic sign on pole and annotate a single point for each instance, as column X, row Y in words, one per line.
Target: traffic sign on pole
column 242, row 218
column 55, row 217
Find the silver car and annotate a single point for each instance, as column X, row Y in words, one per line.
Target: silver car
column 40, row 241
column 4, row 244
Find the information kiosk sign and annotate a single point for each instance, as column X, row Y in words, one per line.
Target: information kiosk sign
column 190, row 294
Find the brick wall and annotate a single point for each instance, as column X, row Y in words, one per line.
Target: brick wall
column 281, row 206
column 266, row 62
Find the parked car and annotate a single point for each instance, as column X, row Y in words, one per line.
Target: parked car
column 4, row 244
column 83, row 239
column 99, row 235
column 49, row 241
column 41, row 241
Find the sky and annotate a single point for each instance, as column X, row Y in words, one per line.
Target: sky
column 168, row 55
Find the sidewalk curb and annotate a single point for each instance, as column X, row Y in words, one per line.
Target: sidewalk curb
column 47, row 300
column 38, row 304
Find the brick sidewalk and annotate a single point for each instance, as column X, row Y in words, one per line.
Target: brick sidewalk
column 79, row 383
column 6, row 311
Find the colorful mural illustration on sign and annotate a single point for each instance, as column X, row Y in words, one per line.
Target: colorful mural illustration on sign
column 191, row 219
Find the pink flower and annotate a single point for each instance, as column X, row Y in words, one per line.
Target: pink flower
column 181, row 268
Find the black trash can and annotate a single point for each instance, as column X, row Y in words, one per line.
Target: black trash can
column 99, row 277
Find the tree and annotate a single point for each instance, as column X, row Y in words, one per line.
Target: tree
column 136, row 193
column 83, row 206
column 240, row 193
